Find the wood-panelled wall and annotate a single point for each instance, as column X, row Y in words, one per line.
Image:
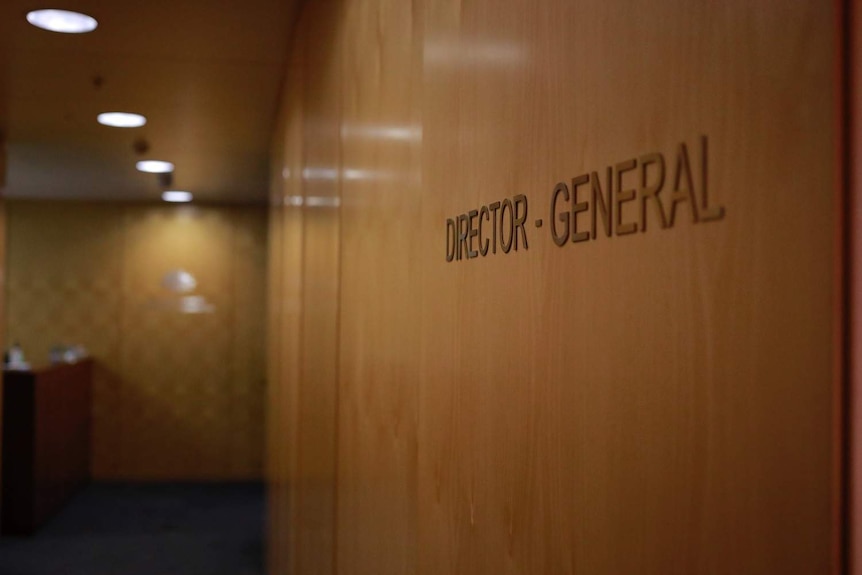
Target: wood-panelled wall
column 657, row 396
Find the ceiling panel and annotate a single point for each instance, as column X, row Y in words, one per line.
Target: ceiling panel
column 205, row 73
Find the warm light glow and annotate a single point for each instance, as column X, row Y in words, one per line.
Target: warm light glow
column 312, row 201
column 313, row 173
column 155, row 166
column 62, row 21
column 195, row 304
column 121, row 119
column 477, row 53
column 322, row 202
column 404, row 133
column 179, row 281
column 176, row 196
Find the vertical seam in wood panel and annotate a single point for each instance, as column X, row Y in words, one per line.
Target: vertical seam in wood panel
column 340, row 163
column 274, row 391
column 300, row 332
column 293, row 469
column 231, row 464
column 842, row 384
column 293, row 390
column 417, row 16
column 121, row 359
column 300, row 373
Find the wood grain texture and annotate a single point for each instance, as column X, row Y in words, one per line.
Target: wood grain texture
column 658, row 402
column 287, row 245
column 318, row 347
column 277, row 437
column 303, row 431
column 380, row 288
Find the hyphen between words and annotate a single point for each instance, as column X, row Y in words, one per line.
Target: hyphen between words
column 594, row 204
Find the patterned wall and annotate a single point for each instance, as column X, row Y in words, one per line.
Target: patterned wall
column 177, row 395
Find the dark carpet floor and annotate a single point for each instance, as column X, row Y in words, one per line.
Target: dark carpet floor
column 183, row 529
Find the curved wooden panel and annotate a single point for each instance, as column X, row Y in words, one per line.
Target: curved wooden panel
column 381, row 141
column 635, row 373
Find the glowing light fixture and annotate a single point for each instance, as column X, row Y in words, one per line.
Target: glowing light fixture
column 155, row 166
column 121, row 120
column 62, row 21
column 176, row 196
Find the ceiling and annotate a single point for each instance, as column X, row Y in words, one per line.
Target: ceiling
column 206, row 74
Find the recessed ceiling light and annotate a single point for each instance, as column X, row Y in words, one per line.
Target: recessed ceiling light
column 121, row 120
column 155, row 166
column 176, row 196
column 62, row 21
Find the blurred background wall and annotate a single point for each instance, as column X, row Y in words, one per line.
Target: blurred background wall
column 179, row 385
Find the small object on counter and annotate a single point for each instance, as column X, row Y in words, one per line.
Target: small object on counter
column 15, row 358
column 55, row 355
column 67, row 354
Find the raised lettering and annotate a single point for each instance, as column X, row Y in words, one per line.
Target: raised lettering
column 651, row 192
column 483, row 243
column 560, row 239
column 494, row 207
column 506, row 244
column 686, row 193
column 520, row 218
column 708, row 214
column 578, row 207
column 602, row 203
column 471, row 233
column 622, row 196
column 462, row 236
column 450, row 239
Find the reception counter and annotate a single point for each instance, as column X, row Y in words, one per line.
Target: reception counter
column 46, row 442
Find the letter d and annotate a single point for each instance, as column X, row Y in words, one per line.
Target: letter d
column 451, row 239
